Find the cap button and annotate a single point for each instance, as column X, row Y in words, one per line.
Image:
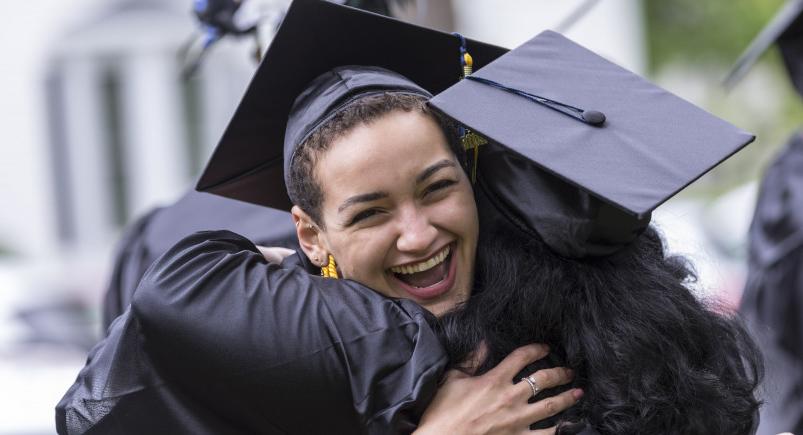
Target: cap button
column 593, row 117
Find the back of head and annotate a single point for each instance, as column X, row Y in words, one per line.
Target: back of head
column 650, row 356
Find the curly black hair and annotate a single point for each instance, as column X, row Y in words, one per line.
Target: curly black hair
column 651, row 357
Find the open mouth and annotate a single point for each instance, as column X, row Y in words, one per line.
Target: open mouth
column 429, row 278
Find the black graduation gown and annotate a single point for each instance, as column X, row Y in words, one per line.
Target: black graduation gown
column 219, row 341
column 153, row 234
column 773, row 297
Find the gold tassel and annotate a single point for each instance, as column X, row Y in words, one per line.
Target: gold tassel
column 330, row 270
column 473, row 141
column 470, row 139
column 468, row 64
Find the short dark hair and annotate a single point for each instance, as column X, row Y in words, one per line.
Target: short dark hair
column 305, row 190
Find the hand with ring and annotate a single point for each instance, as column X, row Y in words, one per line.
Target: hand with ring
column 492, row 404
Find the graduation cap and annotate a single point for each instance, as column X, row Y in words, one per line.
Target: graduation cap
column 315, row 41
column 581, row 150
column 785, row 29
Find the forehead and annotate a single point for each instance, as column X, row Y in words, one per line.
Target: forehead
column 387, row 153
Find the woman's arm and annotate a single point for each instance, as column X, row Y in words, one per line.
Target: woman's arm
column 267, row 345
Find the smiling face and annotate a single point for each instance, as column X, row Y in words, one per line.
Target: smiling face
column 398, row 212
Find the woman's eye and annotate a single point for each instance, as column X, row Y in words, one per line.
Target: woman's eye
column 365, row 214
column 438, row 185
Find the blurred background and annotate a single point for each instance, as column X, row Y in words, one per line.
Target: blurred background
column 98, row 127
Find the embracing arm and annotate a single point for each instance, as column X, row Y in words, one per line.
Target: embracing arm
column 279, row 348
column 271, row 345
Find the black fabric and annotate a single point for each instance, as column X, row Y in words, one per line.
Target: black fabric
column 651, row 145
column 773, row 296
column 154, row 233
column 218, row 341
column 792, row 53
column 572, row 222
column 317, row 36
column 331, row 91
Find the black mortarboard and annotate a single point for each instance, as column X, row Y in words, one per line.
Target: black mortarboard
column 581, row 150
column 786, row 28
column 314, row 39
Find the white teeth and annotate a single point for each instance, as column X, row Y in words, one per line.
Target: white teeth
column 424, row 265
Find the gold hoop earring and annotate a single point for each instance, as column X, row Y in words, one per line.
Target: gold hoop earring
column 330, row 270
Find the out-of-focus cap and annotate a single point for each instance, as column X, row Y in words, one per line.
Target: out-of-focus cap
column 315, row 38
column 787, row 23
column 581, row 150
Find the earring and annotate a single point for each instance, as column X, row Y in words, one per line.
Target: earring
column 330, row 270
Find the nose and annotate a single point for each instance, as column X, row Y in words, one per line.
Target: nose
column 416, row 232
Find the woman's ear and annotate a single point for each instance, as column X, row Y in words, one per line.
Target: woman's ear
column 308, row 237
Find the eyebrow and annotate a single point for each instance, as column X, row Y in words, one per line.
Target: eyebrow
column 426, row 173
column 373, row 196
column 357, row 199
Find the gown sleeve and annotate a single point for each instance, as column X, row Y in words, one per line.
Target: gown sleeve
column 263, row 348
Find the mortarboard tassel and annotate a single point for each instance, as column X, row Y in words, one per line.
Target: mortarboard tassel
column 469, row 139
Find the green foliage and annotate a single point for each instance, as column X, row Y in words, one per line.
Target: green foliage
column 703, row 30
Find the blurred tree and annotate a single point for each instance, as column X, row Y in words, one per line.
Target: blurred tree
column 707, row 31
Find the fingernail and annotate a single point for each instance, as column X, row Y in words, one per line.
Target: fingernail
column 577, row 393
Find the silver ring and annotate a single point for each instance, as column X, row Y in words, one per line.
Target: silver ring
column 533, row 385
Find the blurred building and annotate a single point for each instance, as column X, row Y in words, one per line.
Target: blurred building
column 116, row 131
column 98, row 127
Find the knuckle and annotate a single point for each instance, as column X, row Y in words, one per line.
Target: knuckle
column 508, row 398
column 486, row 382
column 551, row 406
column 488, row 379
column 550, row 377
column 520, row 353
column 547, row 378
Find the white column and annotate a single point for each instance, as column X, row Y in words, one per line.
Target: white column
column 223, row 79
column 87, row 152
column 153, row 130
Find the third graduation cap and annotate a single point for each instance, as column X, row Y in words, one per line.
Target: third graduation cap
column 323, row 55
column 581, row 150
column 785, row 29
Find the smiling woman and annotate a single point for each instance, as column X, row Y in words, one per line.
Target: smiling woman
column 389, row 200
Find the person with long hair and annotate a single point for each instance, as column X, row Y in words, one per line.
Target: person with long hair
column 567, row 254
column 650, row 355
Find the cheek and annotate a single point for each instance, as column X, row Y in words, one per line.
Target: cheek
column 361, row 255
column 460, row 213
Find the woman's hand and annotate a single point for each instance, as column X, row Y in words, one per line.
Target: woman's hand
column 491, row 404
